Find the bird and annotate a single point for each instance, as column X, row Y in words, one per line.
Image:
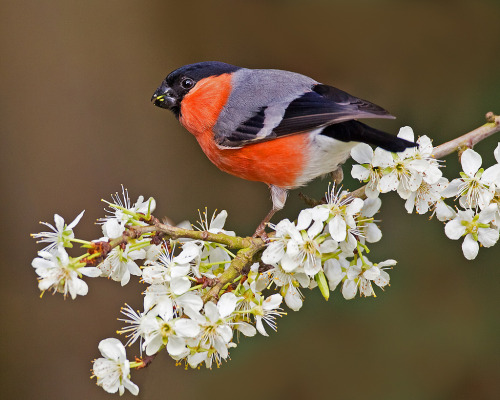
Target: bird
column 274, row 126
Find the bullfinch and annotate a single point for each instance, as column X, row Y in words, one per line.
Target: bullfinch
column 277, row 127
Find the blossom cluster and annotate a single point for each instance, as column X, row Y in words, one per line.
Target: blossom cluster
column 178, row 274
column 196, row 303
column 417, row 178
column 327, row 247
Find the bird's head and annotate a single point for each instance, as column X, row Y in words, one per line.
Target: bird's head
column 180, row 82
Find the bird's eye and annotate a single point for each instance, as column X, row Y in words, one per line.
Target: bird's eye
column 187, row 83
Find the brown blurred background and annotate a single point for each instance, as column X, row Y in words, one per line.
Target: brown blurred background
column 76, row 122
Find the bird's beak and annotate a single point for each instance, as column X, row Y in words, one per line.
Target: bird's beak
column 165, row 97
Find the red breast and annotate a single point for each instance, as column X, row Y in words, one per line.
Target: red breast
column 278, row 162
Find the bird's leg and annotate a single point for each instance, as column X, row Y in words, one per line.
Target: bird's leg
column 278, row 196
column 337, row 175
column 261, row 229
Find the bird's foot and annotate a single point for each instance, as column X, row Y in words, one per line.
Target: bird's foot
column 260, row 232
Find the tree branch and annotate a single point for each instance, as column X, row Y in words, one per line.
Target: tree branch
column 248, row 247
column 469, row 140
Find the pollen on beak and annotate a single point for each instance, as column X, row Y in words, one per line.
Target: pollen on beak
column 158, row 98
column 164, row 97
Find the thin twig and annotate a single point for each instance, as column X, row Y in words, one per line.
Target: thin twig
column 469, row 140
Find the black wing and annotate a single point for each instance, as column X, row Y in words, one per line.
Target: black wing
column 325, row 105
column 322, row 106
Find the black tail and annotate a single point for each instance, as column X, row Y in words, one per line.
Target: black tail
column 355, row 131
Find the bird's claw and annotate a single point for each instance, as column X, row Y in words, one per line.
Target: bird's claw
column 260, row 232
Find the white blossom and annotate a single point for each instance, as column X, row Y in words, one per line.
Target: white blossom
column 123, row 213
column 476, row 187
column 370, row 167
column 306, row 247
column 267, row 311
column 410, row 167
column 362, row 274
column 421, row 156
column 171, row 269
column 152, row 252
column 135, row 328
column 335, row 271
column 113, row 370
column 216, row 224
column 120, row 263
column 276, row 249
column 443, row 211
column 165, row 329
column 476, row 227
column 57, row 272
column 216, row 332
column 161, row 296
column 367, row 229
column 426, row 196
column 342, row 210
column 61, row 235
column 288, row 282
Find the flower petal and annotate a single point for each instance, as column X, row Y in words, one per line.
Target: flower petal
column 333, row 272
column 272, row 302
column 362, row 153
column 190, row 300
column 454, row 229
column 444, row 212
column 382, row 280
column 382, row 158
column 452, row 189
column 273, row 253
column 293, row 298
column 312, row 265
column 225, row 332
column 470, row 247
column 496, row 153
column 76, row 220
column 371, row 207
column 247, row 329
column 227, row 304
column 328, row 246
column 491, row 175
column 180, row 285
column 338, row 228
column 471, row 162
column 289, row 263
column 304, row 219
column 260, row 326
column 372, row 233
column 372, row 273
column 176, row 346
column 130, row 386
column 349, row 289
column 487, row 236
column 315, row 229
column 212, row 312
column 389, row 182
column 91, row 272
column 354, row 206
column 359, row 172
column 406, row 132
column 112, row 349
